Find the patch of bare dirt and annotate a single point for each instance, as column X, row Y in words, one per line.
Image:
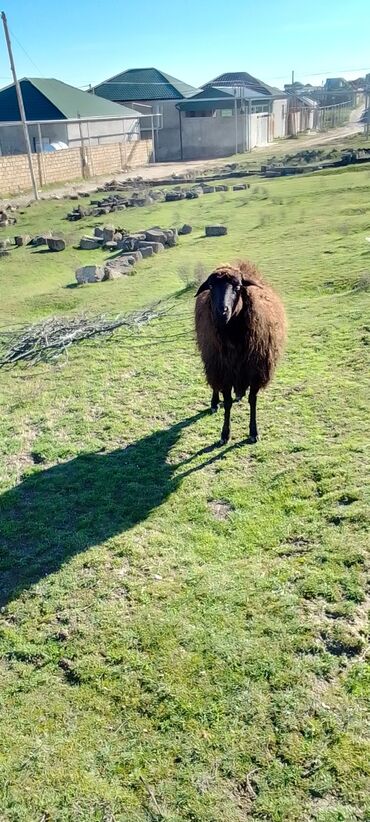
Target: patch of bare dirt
column 221, row 509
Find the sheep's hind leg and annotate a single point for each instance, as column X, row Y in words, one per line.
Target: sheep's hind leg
column 215, row 401
column 253, row 432
column 225, row 434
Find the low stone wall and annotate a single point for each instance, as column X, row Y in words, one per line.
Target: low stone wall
column 71, row 164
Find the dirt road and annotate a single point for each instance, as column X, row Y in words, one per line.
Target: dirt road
column 161, row 170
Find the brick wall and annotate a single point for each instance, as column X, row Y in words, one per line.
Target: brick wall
column 71, row 164
column 116, row 156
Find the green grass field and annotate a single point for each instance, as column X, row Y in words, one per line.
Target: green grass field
column 183, row 632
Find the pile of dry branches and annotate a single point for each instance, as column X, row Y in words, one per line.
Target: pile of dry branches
column 49, row 339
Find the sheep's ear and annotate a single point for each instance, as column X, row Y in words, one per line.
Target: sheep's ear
column 246, row 281
column 203, row 287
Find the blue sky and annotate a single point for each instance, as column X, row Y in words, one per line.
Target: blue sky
column 85, row 42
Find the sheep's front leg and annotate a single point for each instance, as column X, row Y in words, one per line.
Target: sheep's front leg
column 215, row 401
column 253, row 431
column 225, row 434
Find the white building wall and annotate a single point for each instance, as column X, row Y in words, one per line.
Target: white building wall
column 260, row 129
column 166, row 129
column 279, row 113
column 12, row 139
column 98, row 132
column 95, row 132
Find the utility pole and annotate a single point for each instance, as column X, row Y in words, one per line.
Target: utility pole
column 236, row 122
column 21, row 106
column 367, row 104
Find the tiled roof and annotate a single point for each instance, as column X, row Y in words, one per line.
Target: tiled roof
column 242, row 78
column 143, row 84
column 50, row 99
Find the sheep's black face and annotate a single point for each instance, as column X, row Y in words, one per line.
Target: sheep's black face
column 225, row 295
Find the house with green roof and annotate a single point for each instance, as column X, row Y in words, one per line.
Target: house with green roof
column 64, row 115
column 151, row 91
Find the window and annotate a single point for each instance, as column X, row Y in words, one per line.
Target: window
column 260, row 108
column 200, row 113
column 226, row 112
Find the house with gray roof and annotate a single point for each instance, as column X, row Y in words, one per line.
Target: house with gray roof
column 217, row 123
column 271, row 126
column 151, row 91
column 61, row 114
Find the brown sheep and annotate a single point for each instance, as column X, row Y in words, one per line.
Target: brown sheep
column 240, row 327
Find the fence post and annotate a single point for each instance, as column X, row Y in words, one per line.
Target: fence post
column 42, row 170
column 91, row 153
column 85, row 171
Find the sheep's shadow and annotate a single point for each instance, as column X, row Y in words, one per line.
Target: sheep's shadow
column 58, row 512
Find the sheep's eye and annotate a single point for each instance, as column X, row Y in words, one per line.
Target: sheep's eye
column 237, row 288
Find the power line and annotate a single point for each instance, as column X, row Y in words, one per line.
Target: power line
column 114, row 82
column 25, row 52
column 325, row 71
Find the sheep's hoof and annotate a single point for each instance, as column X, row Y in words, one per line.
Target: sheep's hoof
column 214, row 409
column 252, row 439
column 239, row 397
column 224, row 439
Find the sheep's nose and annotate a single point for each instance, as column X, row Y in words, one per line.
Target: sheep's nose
column 225, row 311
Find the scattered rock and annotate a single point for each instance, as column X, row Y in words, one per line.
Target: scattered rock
column 174, row 196
column 90, row 274
column 155, row 235
column 40, row 239
column 113, row 274
column 108, row 233
column 111, row 245
column 215, row 230
column 240, row 187
column 22, row 239
column 89, row 243
column 82, row 212
column 72, row 216
column 222, row 188
column 192, row 195
column 208, row 189
column 4, row 252
column 56, row 244
column 73, row 196
column 171, row 236
column 158, row 196
column 132, row 255
column 6, row 218
column 128, row 244
column 146, row 252
column 137, row 255
column 140, row 202
column 118, row 265
column 140, row 235
column 157, row 247
column 185, row 229
column 98, row 231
